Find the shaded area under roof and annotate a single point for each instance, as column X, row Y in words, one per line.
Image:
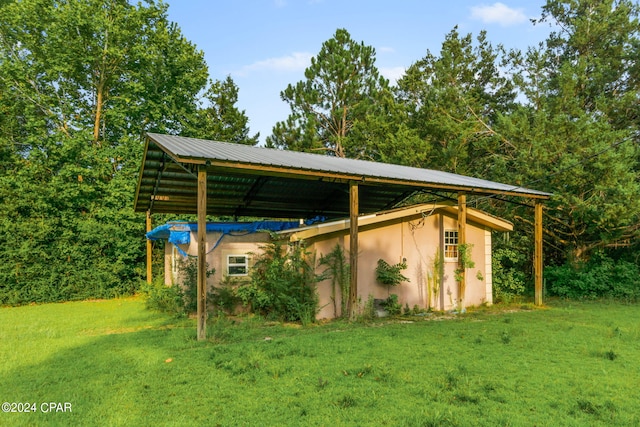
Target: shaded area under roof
column 254, row 181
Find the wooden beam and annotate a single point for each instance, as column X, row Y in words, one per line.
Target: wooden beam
column 441, row 261
column 462, row 242
column 202, row 253
column 353, row 250
column 537, row 255
column 149, row 249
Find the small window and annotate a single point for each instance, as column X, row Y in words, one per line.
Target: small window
column 237, row 265
column 451, row 244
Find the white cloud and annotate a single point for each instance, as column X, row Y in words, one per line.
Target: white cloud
column 385, row 49
column 393, row 74
column 297, row 61
column 498, row 13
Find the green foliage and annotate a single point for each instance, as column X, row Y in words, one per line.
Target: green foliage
column 163, row 298
column 464, row 260
column 75, row 101
column 600, row 277
column 507, row 266
column 189, row 281
column 392, row 306
column 224, row 297
column 337, row 269
column 343, row 88
column 221, row 120
column 368, row 311
column 283, row 284
column 390, row 275
column 452, row 101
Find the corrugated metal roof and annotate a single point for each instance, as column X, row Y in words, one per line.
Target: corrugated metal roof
column 246, row 180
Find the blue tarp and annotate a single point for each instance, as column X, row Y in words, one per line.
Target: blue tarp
column 179, row 233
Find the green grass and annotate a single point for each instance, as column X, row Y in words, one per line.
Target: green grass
column 571, row 364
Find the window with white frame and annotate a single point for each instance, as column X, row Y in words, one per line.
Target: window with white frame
column 237, row 265
column 451, row 244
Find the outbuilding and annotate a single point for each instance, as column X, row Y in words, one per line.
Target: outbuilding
column 423, row 237
column 188, row 175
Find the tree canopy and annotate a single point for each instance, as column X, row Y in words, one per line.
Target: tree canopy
column 81, row 81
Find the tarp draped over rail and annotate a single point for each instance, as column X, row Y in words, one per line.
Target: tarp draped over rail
column 179, row 233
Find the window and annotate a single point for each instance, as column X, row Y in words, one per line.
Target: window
column 237, row 265
column 451, row 244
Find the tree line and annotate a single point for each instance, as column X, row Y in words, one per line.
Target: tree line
column 81, row 81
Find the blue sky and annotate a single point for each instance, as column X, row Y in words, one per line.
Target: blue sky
column 264, row 45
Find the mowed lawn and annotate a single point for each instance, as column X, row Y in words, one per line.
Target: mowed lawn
column 115, row 363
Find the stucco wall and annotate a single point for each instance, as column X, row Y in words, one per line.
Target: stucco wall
column 216, row 258
column 416, row 241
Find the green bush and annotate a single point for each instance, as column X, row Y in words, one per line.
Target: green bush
column 338, row 271
column 189, row 275
column 389, row 275
column 391, row 305
column 223, row 297
column 283, row 284
column 600, row 277
column 163, row 298
column 508, row 274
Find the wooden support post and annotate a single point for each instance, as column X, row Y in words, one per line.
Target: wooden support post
column 353, row 250
column 462, row 243
column 537, row 255
column 441, row 262
column 202, row 253
column 149, row 249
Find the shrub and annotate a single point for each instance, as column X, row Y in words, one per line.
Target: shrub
column 389, row 275
column 600, row 277
column 189, row 274
column 392, row 306
column 163, row 298
column 337, row 269
column 224, row 297
column 283, row 284
column 508, row 274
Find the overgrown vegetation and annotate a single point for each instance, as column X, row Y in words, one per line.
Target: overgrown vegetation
column 366, row 374
column 283, row 283
column 75, row 99
column 509, row 277
column 600, row 277
column 390, row 275
column 177, row 299
column 163, row 298
column 337, row 270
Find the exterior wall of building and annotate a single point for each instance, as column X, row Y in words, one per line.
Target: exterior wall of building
column 247, row 244
column 417, row 241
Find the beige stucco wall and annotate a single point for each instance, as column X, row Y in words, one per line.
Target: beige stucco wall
column 417, row 241
column 229, row 245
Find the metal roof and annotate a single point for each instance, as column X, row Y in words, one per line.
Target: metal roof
column 254, row 181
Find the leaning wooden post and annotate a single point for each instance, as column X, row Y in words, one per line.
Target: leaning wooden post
column 462, row 243
column 353, row 250
column 149, row 249
column 202, row 252
column 537, row 256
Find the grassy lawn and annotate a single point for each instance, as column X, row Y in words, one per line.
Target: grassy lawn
column 115, row 363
